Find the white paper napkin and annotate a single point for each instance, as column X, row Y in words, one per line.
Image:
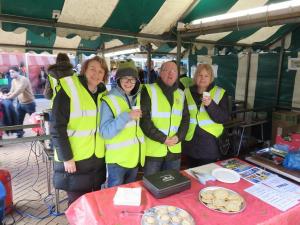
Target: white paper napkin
column 128, row 196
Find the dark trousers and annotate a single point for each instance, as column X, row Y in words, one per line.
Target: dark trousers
column 73, row 196
column 152, row 166
column 22, row 109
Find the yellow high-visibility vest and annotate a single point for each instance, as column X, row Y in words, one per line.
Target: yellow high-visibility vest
column 165, row 117
column 84, row 120
column 128, row 147
column 201, row 117
column 186, row 81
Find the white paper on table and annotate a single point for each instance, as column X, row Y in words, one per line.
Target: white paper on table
column 283, row 185
column 128, row 196
column 275, row 198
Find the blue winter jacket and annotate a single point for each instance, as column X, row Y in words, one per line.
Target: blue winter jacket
column 110, row 126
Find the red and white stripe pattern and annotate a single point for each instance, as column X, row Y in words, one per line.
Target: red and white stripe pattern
column 41, row 60
column 11, row 59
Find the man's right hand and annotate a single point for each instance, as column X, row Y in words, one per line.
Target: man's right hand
column 70, row 166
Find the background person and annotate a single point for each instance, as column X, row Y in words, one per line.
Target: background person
column 79, row 165
column 22, row 90
column 124, row 139
column 153, row 74
column 165, row 120
column 62, row 68
column 207, row 114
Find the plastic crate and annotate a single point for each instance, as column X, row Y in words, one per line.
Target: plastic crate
column 2, row 201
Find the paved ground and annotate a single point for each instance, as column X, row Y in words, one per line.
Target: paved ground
column 27, row 166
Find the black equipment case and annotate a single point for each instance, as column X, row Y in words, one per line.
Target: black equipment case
column 165, row 183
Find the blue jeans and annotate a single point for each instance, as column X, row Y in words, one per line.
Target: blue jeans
column 10, row 117
column 119, row 175
column 152, row 166
column 22, row 109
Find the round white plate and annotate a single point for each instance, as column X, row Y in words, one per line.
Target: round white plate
column 226, row 175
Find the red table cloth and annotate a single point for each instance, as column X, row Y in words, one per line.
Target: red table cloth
column 98, row 208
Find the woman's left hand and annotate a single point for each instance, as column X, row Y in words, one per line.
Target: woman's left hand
column 206, row 100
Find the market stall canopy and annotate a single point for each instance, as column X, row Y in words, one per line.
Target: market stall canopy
column 88, row 26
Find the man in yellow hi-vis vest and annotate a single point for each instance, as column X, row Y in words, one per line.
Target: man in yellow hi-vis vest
column 165, row 120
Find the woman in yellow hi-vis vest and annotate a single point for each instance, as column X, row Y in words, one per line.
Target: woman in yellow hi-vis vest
column 79, row 150
column 208, row 108
column 124, row 140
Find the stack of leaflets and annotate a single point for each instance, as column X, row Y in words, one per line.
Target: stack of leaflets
column 250, row 173
column 236, row 165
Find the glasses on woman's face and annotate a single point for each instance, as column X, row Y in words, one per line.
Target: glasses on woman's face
column 128, row 80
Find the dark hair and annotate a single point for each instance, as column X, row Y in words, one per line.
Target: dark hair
column 15, row 68
column 99, row 60
column 62, row 57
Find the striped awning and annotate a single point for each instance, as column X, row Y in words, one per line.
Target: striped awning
column 85, row 25
column 41, row 60
column 11, row 59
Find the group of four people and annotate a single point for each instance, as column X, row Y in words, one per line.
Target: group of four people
column 130, row 126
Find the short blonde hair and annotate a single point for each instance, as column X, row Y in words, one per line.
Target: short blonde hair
column 206, row 67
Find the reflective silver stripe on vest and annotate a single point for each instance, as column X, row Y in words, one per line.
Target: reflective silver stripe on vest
column 182, row 95
column 154, row 105
column 205, row 122
column 80, row 133
column 131, row 123
column 161, row 114
column 115, row 103
column 202, row 108
column 77, row 112
column 124, row 144
column 193, row 121
column 192, row 107
column 164, row 131
column 82, row 113
column 173, row 128
column 176, row 112
column 52, row 81
column 217, row 95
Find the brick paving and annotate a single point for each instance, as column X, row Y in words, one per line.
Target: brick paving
column 27, row 165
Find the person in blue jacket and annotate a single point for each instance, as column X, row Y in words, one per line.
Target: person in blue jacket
column 122, row 162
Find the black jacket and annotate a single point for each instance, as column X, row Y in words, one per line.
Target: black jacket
column 203, row 144
column 58, row 70
column 148, row 126
column 90, row 172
